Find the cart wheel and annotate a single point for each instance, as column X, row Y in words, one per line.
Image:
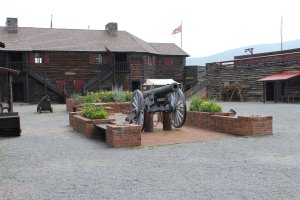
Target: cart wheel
column 51, row 109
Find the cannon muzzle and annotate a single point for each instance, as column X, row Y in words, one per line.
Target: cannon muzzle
column 162, row 91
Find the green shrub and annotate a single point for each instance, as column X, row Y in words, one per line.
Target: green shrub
column 92, row 111
column 89, row 98
column 128, row 96
column 75, row 96
column 119, row 96
column 105, row 96
column 204, row 105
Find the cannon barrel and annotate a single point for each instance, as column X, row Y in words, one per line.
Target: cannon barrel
column 162, row 91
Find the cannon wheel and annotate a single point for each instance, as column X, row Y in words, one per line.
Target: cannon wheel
column 179, row 112
column 137, row 108
column 39, row 109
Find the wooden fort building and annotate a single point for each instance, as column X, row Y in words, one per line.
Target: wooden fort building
column 60, row 62
column 271, row 76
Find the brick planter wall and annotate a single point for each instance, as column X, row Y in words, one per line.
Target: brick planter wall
column 123, row 107
column 70, row 103
column 71, row 115
column 226, row 123
column 123, row 135
column 86, row 126
column 201, row 119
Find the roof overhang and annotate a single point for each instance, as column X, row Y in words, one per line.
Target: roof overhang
column 280, row 77
column 159, row 82
column 3, row 70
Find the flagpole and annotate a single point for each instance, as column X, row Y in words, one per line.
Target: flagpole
column 281, row 33
column 51, row 22
column 181, row 36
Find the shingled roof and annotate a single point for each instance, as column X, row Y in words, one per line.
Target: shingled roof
column 52, row 39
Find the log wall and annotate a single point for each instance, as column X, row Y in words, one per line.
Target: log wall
column 68, row 67
column 247, row 74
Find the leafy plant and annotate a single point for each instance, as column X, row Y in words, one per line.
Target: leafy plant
column 75, row 96
column 92, row 111
column 204, row 105
column 90, row 98
column 118, row 96
column 105, row 96
column 128, row 96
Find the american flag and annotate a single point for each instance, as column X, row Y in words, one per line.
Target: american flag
column 177, row 30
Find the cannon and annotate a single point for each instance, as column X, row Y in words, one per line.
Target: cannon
column 166, row 99
column 44, row 104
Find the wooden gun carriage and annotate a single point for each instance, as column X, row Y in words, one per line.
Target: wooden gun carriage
column 44, row 104
column 167, row 99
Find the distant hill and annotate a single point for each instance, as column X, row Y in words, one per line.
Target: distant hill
column 229, row 54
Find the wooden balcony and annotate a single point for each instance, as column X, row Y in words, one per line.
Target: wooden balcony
column 16, row 65
column 122, row 67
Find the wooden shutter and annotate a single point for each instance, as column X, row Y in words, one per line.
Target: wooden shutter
column 60, row 84
column 168, row 61
column 104, row 59
column 78, row 84
column 91, row 59
column 46, row 58
column 31, row 58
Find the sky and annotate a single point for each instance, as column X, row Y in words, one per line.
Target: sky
column 208, row 26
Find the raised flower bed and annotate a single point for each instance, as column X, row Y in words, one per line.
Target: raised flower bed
column 86, row 126
column 115, row 101
column 225, row 121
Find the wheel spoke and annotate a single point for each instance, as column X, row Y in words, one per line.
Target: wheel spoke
column 179, row 113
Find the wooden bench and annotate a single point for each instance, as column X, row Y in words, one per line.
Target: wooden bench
column 10, row 124
column 290, row 98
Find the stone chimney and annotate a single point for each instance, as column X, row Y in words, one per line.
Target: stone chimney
column 11, row 25
column 112, row 28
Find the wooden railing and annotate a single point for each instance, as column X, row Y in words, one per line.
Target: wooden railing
column 122, row 67
column 16, row 65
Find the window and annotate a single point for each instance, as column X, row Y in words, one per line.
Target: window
column 38, row 58
column 168, row 61
column 97, row 58
column 151, row 60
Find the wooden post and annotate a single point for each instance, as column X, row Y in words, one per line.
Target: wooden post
column 167, row 121
column 27, row 88
column 148, row 124
column 264, row 92
column 275, row 91
column 45, row 83
column 10, row 94
column 98, row 80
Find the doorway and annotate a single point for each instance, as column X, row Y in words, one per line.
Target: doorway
column 135, row 85
column 18, row 92
column 269, row 91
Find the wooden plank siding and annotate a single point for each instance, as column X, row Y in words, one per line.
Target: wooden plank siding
column 75, row 69
column 247, row 74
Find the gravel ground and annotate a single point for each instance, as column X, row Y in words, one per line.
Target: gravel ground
column 51, row 161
